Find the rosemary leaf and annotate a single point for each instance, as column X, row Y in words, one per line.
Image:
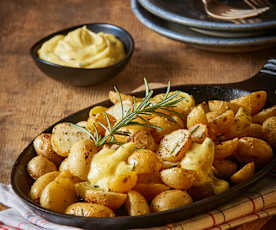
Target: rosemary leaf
column 108, row 121
column 195, row 129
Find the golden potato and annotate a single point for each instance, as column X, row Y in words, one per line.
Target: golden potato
column 196, row 116
column 59, row 194
column 64, row 165
column 261, row 116
column 255, row 130
column 170, row 199
column 97, row 119
column 253, row 149
column 82, row 124
column 218, row 106
column 42, row 146
column 174, row 145
column 144, row 139
column 269, row 128
column 219, row 186
column 225, row 168
column 116, row 110
column 243, row 174
column 136, row 204
column 253, row 102
column 97, row 109
column 145, row 161
column 223, row 121
column 149, row 191
column 226, row 148
column 115, row 98
column 91, row 194
column 89, row 210
column 41, row 183
column 178, row 178
column 64, row 135
column 123, row 183
column 39, row 165
column 165, row 125
column 198, row 133
column 80, row 157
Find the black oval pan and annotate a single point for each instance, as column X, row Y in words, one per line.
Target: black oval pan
column 21, row 182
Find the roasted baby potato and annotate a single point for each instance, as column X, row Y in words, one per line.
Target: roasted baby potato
column 82, row 124
column 178, row 178
column 42, row 146
column 255, row 130
column 218, row 106
column 80, row 157
column 165, row 125
column 269, row 128
column 116, row 110
column 143, row 139
column 261, row 116
column 145, row 161
column 89, row 210
column 226, row 148
column 149, row 191
column 170, row 199
column 123, row 182
column 41, row 183
column 196, row 116
column 64, row 165
column 39, row 165
column 253, row 102
column 59, row 194
column 92, row 194
column 225, row 168
column 174, row 145
column 64, row 135
column 198, row 133
column 243, row 174
column 115, row 98
column 136, row 204
column 223, row 122
column 253, row 149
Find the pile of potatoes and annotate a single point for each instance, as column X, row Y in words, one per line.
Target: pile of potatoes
column 206, row 149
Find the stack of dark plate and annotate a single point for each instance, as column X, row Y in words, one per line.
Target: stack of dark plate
column 186, row 21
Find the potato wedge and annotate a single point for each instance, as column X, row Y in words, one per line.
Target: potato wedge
column 89, row 210
column 115, row 98
column 219, row 186
column 178, row 178
column 198, row 133
column 253, row 149
column 269, row 128
column 196, row 116
column 261, row 116
column 64, row 135
column 223, row 121
column 136, row 204
column 174, row 145
column 226, row 148
column 225, row 168
column 80, row 157
column 39, row 165
column 91, row 194
column 218, row 106
column 42, row 146
column 143, row 139
column 255, row 130
column 244, row 173
column 170, row 199
column 253, row 102
column 59, row 194
column 145, row 161
column 149, row 191
column 41, row 183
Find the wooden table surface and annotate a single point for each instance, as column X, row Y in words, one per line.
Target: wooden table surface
column 30, row 102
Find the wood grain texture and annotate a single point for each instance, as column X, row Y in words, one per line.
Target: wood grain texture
column 30, row 102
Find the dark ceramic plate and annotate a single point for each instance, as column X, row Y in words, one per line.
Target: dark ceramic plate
column 182, row 33
column 21, row 182
column 192, row 13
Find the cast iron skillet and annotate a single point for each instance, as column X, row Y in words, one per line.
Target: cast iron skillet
column 21, row 182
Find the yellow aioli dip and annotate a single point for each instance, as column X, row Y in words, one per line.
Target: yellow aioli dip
column 84, row 49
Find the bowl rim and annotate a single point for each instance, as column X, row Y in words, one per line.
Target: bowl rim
column 71, row 28
column 162, row 214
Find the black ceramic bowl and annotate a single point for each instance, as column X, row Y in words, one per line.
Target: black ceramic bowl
column 82, row 76
column 22, row 182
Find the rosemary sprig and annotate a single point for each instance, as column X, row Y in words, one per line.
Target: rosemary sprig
column 145, row 107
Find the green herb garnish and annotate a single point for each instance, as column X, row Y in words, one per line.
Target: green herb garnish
column 195, row 129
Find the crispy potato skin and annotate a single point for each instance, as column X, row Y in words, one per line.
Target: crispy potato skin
column 145, row 161
column 123, row 183
column 261, row 116
column 39, row 166
column 225, row 168
column 196, row 116
column 218, row 106
column 198, row 133
column 269, row 128
column 89, row 210
column 136, row 204
column 178, row 178
column 226, row 148
column 170, row 199
column 41, row 183
column 42, row 146
column 243, row 174
column 253, row 149
column 174, row 145
column 149, row 191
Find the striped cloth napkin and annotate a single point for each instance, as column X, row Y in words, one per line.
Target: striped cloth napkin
column 259, row 202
